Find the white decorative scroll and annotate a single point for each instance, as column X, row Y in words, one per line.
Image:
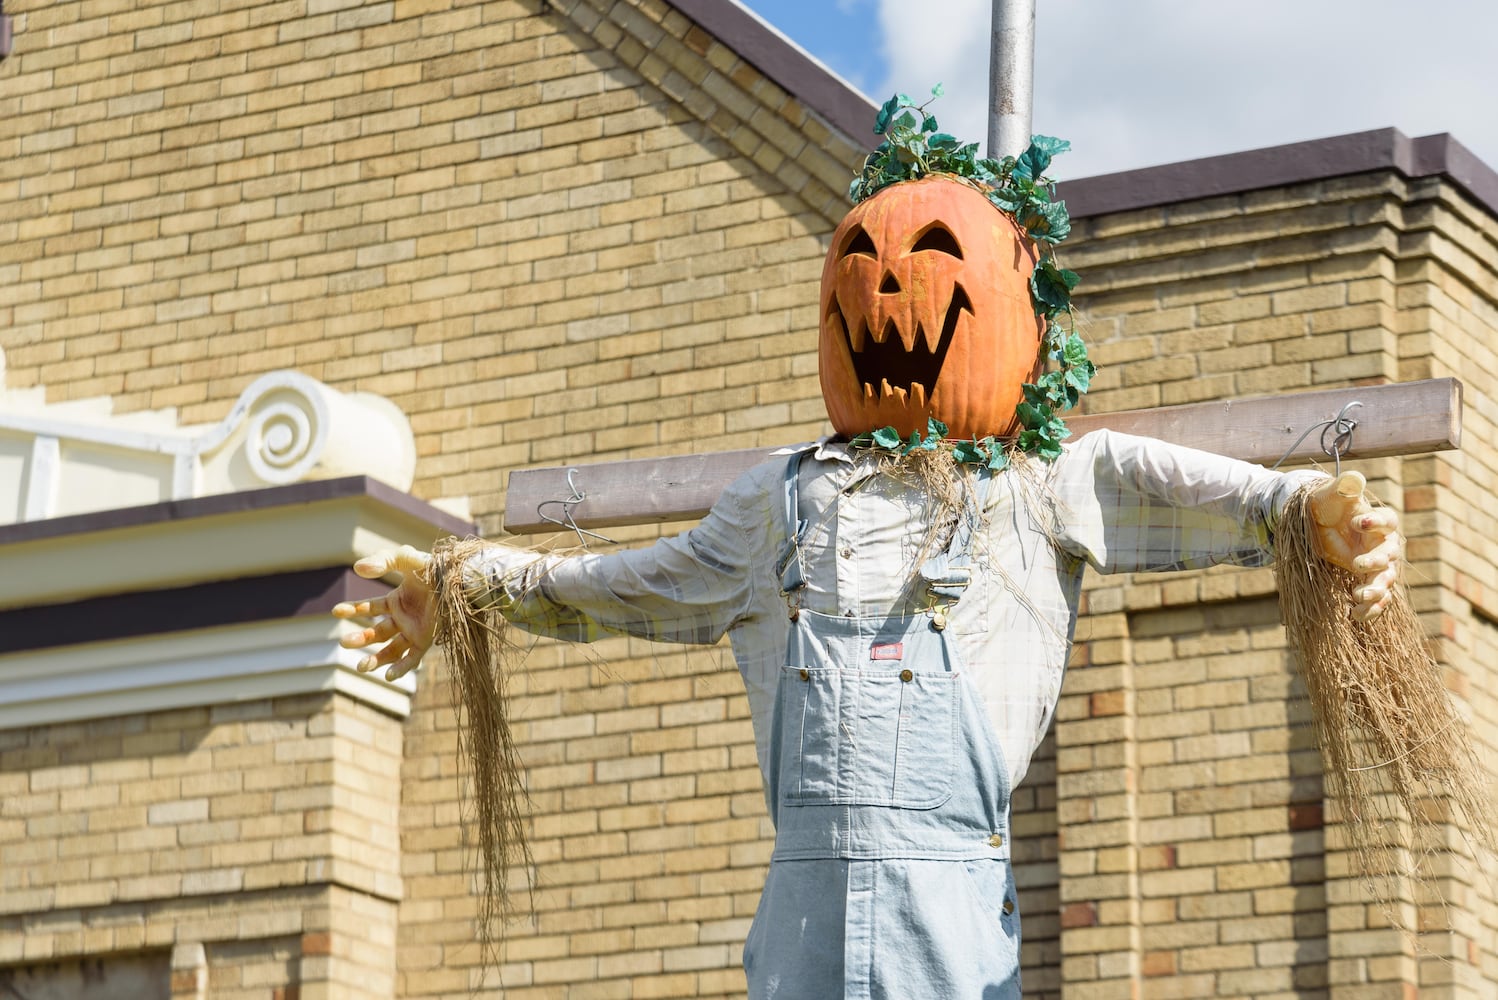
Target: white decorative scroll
column 286, row 427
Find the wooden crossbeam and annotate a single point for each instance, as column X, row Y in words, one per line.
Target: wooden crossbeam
column 1396, row 419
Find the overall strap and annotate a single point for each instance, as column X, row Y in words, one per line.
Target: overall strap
column 948, row 572
column 790, row 566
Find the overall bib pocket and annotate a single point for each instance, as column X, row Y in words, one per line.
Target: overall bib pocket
column 867, row 737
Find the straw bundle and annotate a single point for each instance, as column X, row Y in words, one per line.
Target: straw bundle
column 1395, row 750
column 495, row 800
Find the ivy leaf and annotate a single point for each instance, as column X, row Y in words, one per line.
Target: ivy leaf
column 997, row 460
column 969, row 453
column 929, row 124
column 908, row 121
column 888, row 437
column 1045, row 441
column 1003, row 201
column 1034, row 415
column 935, row 430
column 1049, row 145
column 1051, row 288
column 942, row 140
column 1074, row 352
column 1031, row 164
column 1049, row 222
column 1080, row 376
column 937, row 90
column 1025, row 188
column 886, row 112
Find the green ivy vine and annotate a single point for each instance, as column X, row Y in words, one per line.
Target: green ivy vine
column 913, row 148
column 988, row 452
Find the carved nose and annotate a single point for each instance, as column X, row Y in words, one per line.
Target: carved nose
column 889, row 285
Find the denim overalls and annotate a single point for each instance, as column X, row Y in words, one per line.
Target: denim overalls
column 890, row 876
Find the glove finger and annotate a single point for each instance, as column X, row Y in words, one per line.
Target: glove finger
column 362, row 609
column 1335, row 501
column 372, row 567
column 389, row 653
column 404, row 665
column 1378, row 521
column 1381, row 557
column 368, row 636
column 410, row 560
column 1369, row 610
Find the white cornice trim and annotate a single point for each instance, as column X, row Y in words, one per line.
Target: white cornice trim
column 184, row 669
column 228, row 541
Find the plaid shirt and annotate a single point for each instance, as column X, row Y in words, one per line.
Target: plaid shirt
column 1115, row 502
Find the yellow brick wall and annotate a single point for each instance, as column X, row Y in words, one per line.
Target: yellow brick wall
column 259, row 830
column 1448, row 299
column 649, row 831
column 583, row 229
column 1199, row 856
column 498, row 215
column 544, row 231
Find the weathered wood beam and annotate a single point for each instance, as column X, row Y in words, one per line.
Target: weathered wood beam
column 1396, row 419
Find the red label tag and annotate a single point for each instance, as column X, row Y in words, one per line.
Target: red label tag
column 889, row 651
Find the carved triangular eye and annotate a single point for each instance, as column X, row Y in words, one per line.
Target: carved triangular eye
column 861, row 243
column 938, row 237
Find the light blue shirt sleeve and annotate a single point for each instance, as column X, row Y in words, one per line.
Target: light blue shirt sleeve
column 690, row 588
column 1126, row 504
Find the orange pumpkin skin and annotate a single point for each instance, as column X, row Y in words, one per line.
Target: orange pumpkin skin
column 926, row 312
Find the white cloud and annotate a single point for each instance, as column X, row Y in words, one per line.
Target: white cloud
column 940, row 41
column 1137, row 82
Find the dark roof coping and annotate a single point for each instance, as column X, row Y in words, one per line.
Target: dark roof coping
column 1280, row 166
column 234, row 503
column 214, row 604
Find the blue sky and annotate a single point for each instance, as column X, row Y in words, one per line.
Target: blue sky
column 843, row 34
column 1139, row 82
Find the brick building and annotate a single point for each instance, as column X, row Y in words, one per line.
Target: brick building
column 556, row 230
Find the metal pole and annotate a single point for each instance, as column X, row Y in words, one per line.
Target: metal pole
column 1011, row 77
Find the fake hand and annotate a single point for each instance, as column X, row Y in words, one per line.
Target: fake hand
column 1359, row 538
column 404, row 618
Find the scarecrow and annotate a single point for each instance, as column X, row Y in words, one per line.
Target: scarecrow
column 900, row 597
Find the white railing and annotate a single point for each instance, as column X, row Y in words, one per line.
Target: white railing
column 71, row 458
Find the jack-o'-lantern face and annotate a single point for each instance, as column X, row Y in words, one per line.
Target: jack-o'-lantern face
column 926, row 312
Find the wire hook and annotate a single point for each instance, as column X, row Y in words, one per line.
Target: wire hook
column 1341, row 443
column 566, row 520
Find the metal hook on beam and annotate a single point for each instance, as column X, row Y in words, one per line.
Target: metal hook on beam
column 566, row 520
column 1341, row 443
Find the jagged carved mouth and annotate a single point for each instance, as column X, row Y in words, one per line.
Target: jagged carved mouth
column 883, row 364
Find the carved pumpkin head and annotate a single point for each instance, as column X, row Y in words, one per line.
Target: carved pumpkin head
column 926, row 312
